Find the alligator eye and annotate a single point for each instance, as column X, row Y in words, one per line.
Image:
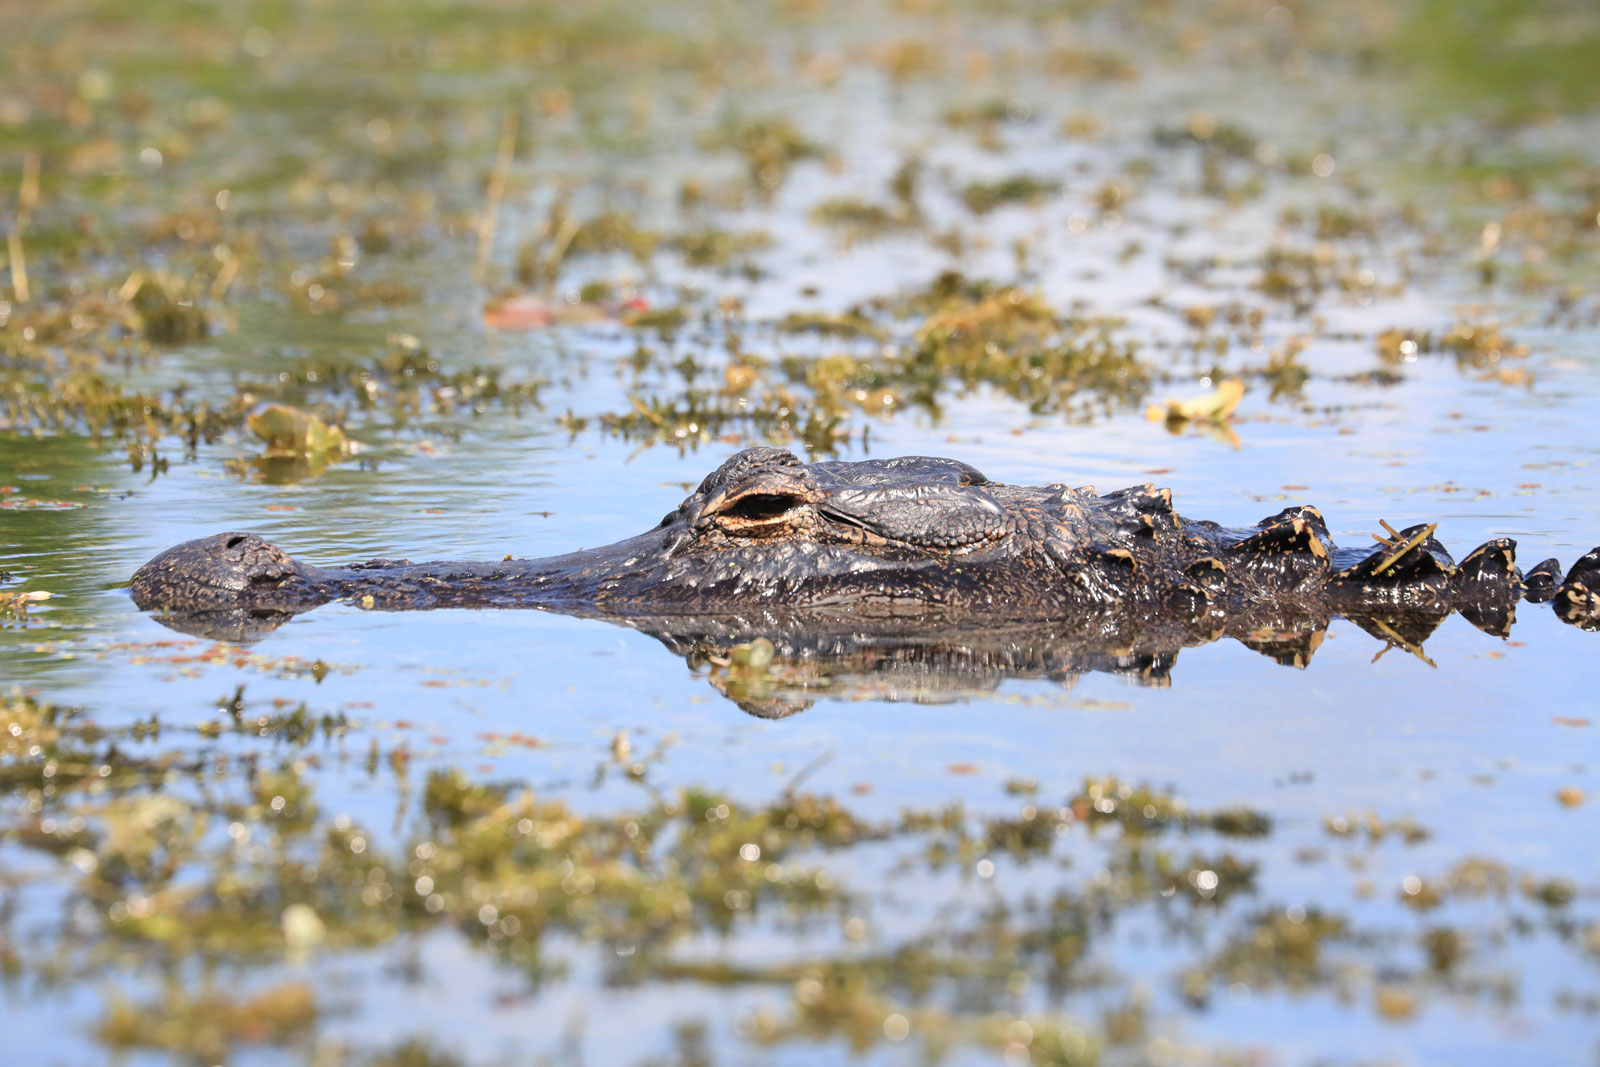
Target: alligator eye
column 761, row 507
column 761, row 510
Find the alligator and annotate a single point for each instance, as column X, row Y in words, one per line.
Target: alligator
column 772, row 548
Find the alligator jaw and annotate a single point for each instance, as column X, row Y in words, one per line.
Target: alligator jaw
column 241, row 584
column 575, row 578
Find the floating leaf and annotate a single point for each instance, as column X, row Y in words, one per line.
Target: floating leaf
column 530, row 313
column 1215, row 406
column 298, row 445
column 290, row 433
column 15, row 605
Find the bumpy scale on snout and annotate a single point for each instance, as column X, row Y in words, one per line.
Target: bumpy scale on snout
column 221, row 571
column 907, row 535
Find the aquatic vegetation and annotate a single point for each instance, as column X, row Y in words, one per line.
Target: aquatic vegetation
column 719, row 248
column 1204, row 130
column 984, row 197
column 167, row 308
column 665, row 320
column 1089, row 64
column 261, row 869
column 1013, row 340
column 858, row 220
column 1002, row 319
column 612, row 232
column 848, row 324
column 352, row 239
column 209, row 1025
column 987, row 113
column 1474, row 346
column 770, row 147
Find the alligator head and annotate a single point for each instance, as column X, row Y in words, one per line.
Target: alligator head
column 763, row 527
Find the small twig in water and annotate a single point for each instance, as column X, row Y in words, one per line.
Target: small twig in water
column 1396, row 641
column 496, row 193
column 27, row 196
column 807, row 771
column 1392, row 558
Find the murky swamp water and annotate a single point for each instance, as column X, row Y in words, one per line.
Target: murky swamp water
column 545, row 269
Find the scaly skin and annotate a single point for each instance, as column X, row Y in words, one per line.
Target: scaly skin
column 921, row 542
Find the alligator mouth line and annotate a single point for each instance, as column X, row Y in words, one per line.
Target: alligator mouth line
column 871, row 534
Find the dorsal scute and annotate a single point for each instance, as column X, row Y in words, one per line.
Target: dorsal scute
column 1114, row 557
column 1577, row 601
column 1491, row 563
column 1306, row 514
column 1285, row 534
column 1541, row 581
column 1209, row 573
column 1140, row 510
column 1144, row 497
column 1586, row 570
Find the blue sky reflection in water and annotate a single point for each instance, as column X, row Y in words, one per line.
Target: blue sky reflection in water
column 1353, row 861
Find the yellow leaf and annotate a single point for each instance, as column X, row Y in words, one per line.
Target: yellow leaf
column 290, row 432
column 1214, row 406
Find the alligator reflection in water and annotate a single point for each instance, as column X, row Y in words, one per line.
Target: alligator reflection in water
column 775, row 665
column 924, row 562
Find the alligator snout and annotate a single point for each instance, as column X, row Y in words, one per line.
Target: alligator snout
column 223, row 570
